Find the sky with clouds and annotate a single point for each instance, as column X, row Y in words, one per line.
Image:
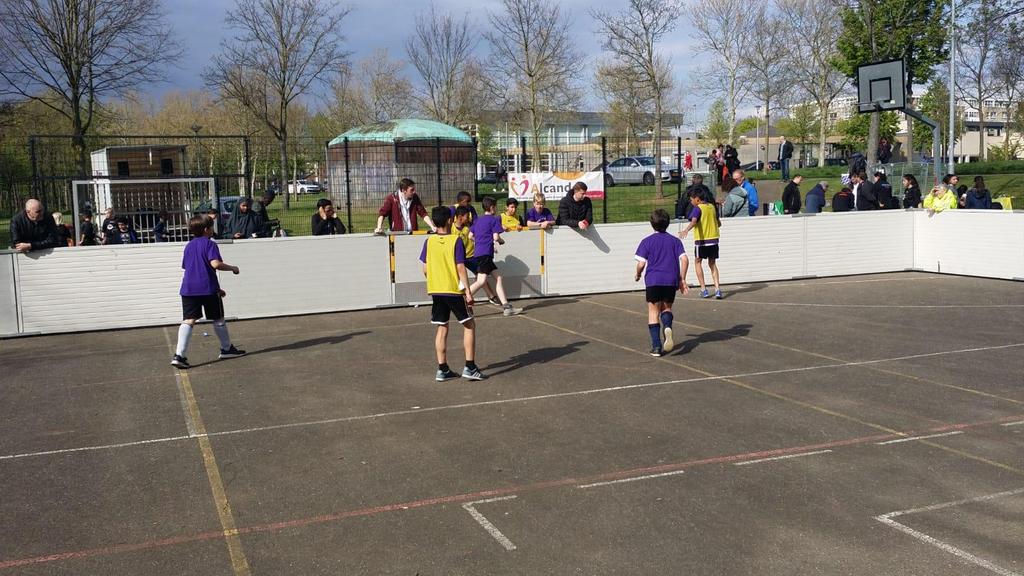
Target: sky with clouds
column 386, row 24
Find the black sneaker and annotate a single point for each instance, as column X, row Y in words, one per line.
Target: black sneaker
column 443, row 375
column 657, row 352
column 231, row 353
column 180, row 362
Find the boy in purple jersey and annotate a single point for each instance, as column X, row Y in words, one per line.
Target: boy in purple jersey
column 663, row 256
column 200, row 290
column 486, row 230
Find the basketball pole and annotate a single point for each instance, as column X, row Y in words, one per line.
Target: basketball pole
column 952, row 84
column 936, row 138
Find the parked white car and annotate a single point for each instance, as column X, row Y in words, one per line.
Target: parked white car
column 637, row 170
column 303, row 187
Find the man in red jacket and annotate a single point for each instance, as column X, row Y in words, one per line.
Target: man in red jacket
column 402, row 209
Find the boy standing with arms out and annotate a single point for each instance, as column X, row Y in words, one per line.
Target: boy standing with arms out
column 200, row 290
column 444, row 265
column 703, row 218
column 664, row 257
column 486, row 231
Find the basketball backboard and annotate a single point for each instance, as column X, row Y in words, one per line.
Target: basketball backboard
column 881, row 86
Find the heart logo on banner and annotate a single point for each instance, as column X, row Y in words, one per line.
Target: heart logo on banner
column 524, row 187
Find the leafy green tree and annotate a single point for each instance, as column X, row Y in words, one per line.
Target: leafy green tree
column 746, row 125
column 934, row 103
column 856, row 130
column 877, row 30
column 801, row 125
column 716, row 127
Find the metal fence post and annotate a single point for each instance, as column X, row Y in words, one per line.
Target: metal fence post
column 476, row 167
column 437, row 151
column 604, row 176
column 348, row 188
column 35, row 166
column 522, row 153
column 679, row 167
column 247, row 170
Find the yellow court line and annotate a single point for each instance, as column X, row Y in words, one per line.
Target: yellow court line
column 227, row 520
column 825, row 357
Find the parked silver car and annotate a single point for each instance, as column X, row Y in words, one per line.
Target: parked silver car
column 637, row 170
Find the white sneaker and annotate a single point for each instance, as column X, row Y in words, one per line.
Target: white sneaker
column 669, row 343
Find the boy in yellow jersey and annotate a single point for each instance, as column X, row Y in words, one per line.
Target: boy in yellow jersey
column 510, row 220
column 463, row 217
column 444, row 265
column 705, row 223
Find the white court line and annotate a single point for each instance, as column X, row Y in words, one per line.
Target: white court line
column 787, row 283
column 887, row 519
column 524, row 399
column 486, row 524
column 189, row 424
column 913, row 438
column 886, row 306
column 1015, row 423
column 633, row 479
column 787, row 456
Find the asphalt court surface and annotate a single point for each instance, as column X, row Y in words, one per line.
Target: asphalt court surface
column 857, row 425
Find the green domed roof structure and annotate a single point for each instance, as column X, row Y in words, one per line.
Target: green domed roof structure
column 403, row 130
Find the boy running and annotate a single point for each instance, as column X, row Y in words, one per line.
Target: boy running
column 664, row 258
column 200, row 290
column 462, row 219
column 705, row 222
column 486, row 230
column 444, row 265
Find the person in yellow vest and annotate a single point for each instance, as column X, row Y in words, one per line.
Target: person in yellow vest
column 939, row 199
column 444, row 265
column 704, row 222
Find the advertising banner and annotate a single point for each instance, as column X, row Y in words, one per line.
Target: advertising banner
column 554, row 185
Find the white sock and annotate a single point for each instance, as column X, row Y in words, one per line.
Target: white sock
column 184, row 333
column 221, row 328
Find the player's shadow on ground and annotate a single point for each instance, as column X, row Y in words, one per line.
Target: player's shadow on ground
column 545, row 302
column 745, row 288
column 535, row 356
column 737, row 331
column 299, row 345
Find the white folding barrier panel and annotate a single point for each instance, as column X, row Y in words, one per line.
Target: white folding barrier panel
column 858, row 243
column 518, row 262
column 90, row 288
column 305, row 275
column 988, row 243
column 8, row 296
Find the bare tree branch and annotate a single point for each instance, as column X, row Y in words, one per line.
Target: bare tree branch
column 441, row 50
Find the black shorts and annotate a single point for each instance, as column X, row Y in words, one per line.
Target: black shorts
column 483, row 264
column 447, row 304
column 193, row 307
column 707, row 252
column 656, row 294
column 471, row 265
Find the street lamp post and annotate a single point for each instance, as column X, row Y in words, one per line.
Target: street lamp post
column 952, row 85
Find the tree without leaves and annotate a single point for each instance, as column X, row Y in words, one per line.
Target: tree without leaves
column 530, row 39
column 282, row 48
column 724, row 29
column 69, row 55
column 811, row 30
column 375, row 91
column 627, row 101
column 766, row 65
column 441, row 50
column 1008, row 71
column 632, row 37
column 975, row 56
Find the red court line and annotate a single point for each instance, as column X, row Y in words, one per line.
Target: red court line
column 470, row 496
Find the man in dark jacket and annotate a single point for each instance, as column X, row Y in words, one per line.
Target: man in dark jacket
column 33, row 229
column 791, row 200
column 865, row 193
column 683, row 203
column 325, row 221
column 575, row 209
column 843, row 201
column 883, row 191
column 785, row 154
column 815, row 199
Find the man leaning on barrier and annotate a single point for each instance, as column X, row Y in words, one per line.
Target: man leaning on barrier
column 33, row 229
column 575, row 210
